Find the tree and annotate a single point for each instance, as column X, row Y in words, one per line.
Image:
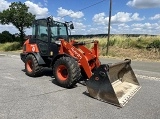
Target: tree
column 18, row 15
column 5, row 36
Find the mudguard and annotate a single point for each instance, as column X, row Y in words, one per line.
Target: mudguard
column 37, row 55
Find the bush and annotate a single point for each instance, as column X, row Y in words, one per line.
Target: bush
column 154, row 44
column 10, row 46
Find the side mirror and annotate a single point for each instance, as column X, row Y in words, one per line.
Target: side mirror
column 71, row 26
column 50, row 20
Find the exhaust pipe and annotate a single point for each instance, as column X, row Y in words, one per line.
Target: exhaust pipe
column 115, row 84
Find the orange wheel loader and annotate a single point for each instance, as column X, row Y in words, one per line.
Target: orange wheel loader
column 71, row 61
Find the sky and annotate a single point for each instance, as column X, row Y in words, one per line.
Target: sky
column 91, row 16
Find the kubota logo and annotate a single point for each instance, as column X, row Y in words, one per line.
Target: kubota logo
column 33, row 48
column 76, row 53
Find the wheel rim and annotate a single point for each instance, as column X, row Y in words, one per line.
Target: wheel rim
column 29, row 65
column 62, row 73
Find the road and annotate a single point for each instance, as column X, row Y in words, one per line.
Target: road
column 23, row 97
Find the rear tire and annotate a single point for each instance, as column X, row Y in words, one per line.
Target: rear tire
column 32, row 67
column 66, row 72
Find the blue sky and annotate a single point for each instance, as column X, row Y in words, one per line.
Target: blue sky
column 128, row 16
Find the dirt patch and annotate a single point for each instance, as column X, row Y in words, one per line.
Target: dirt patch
column 134, row 54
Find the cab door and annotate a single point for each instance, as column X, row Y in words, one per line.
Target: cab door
column 42, row 37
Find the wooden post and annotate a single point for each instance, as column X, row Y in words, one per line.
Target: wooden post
column 109, row 24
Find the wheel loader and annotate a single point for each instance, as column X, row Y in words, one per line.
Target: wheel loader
column 72, row 61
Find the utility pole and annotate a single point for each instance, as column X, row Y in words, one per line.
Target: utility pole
column 109, row 24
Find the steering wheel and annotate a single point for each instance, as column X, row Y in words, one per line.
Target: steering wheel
column 59, row 37
column 57, row 40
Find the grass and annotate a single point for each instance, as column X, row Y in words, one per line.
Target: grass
column 10, row 46
column 121, row 46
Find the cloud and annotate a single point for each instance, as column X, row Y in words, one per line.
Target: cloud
column 60, row 19
column 79, row 25
column 100, row 18
column 12, row 29
column 33, row 8
column 123, row 26
column 123, row 17
column 137, row 28
column 146, row 25
column 155, row 17
column 135, row 17
column 63, row 12
column 4, row 5
column 98, row 30
column 93, row 31
column 120, row 17
column 37, row 10
column 146, row 28
column 79, row 28
column 144, row 3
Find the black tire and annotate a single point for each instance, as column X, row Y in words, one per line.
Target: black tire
column 66, row 72
column 31, row 66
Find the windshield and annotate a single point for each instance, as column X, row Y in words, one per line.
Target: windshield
column 59, row 29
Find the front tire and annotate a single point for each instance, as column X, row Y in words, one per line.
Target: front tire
column 32, row 67
column 66, row 72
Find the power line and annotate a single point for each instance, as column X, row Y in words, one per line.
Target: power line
column 92, row 5
column 86, row 7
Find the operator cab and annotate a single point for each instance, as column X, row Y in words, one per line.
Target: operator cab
column 46, row 33
column 48, row 30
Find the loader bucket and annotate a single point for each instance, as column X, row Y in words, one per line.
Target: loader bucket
column 114, row 84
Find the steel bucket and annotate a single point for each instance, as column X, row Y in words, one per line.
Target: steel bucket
column 115, row 84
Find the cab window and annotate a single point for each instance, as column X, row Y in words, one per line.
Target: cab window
column 42, row 30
